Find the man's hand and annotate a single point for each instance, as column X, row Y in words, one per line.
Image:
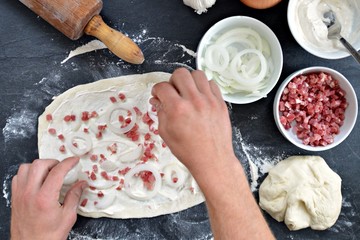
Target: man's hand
column 36, row 212
column 194, row 120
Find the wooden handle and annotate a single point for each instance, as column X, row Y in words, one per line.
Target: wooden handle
column 118, row 43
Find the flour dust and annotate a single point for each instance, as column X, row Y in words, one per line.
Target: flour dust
column 256, row 159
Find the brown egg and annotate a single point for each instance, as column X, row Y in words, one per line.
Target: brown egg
column 260, row 4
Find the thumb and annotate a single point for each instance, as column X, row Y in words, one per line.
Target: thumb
column 72, row 197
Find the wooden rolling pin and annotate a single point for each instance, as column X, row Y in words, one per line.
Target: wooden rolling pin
column 76, row 17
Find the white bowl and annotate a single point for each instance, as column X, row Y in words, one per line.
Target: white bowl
column 301, row 27
column 350, row 113
column 265, row 32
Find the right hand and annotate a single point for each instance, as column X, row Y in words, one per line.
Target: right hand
column 194, row 120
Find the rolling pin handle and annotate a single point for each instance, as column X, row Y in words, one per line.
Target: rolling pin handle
column 121, row 45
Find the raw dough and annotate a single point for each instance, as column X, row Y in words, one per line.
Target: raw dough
column 302, row 191
column 131, row 174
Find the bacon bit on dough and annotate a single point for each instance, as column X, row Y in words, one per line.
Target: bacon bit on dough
column 52, row 131
column 84, row 202
column 49, row 117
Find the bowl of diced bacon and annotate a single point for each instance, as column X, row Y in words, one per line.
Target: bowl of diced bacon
column 315, row 108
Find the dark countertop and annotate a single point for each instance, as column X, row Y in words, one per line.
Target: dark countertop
column 31, row 74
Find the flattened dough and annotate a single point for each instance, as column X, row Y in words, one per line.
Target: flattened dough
column 303, row 192
column 111, row 126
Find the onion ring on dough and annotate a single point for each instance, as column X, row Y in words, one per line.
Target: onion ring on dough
column 120, row 130
column 76, row 150
column 147, row 194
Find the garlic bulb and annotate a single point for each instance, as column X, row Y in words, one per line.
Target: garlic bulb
column 200, row 6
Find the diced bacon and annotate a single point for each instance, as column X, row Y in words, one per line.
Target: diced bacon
column 86, row 130
column 92, row 176
column 85, row 116
column 148, row 179
column 122, row 96
column 95, row 168
column 124, row 171
column 102, row 128
column 137, row 111
column 93, row 157
column 94, row 114
column 147, row 136
column 113, row 99
column 67, row 118
column 317, row 104
column 49, row 117
column 146, row 119
column 112, row 148
column 105, row 175
column 52, row 131
column 61, row 137
column 100, row 194
column 133, row 134
column 62, row 148
column 99, row 135
column 175, row 179
column 84, row 202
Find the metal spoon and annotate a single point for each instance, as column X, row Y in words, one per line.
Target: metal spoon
column 334, row 29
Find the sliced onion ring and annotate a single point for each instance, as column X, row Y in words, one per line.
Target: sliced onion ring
column 217, row 58
column 120, row 130
column 146, row 194
column 251, row 81
column 180, row 174
column 79, row 151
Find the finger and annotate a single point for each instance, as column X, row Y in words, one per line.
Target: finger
column 22, row 175
column 38, row 171
column 72, row 197
column 216, row 90
column 201, row 82
column 164, row 92
column 155, row 103
column 54, row 181
column 14, row 187
column 184, row 83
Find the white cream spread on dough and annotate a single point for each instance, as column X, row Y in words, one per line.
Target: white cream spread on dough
column 114, row 130
column 309, row 20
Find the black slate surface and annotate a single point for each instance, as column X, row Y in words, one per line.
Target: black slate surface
column 31, row 74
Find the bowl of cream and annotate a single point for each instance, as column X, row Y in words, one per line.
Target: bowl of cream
column 305, row 19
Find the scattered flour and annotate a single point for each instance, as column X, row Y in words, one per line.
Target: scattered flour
column 6, row 192
column 89, row 47
column 188, row 51
column 259, row 162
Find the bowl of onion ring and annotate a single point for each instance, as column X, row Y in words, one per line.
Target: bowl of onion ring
column 315, row 108
column 243, row 56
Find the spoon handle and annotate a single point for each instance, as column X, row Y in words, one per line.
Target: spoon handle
column 350, row 48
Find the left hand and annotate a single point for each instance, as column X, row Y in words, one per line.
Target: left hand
column 36, row 211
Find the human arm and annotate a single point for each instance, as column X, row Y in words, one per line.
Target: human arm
column 194, row 123
column 35, row 210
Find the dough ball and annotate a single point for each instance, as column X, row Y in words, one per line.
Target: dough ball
column 303, row 192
